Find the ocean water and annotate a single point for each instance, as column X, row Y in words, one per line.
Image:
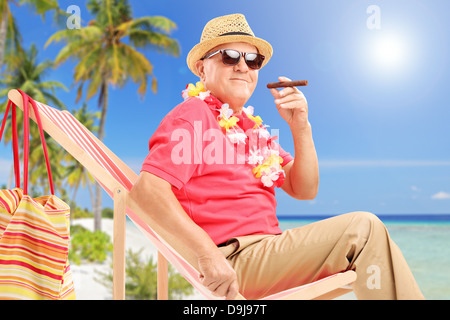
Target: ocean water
column 424, row 241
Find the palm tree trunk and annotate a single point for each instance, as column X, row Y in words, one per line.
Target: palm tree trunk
column 98, row 207
column 3, row 30
column 98, row 189
column 10, row 179
column 74, row 196
column 91, row 193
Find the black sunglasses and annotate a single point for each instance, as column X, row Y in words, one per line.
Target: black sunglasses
column 232, row 57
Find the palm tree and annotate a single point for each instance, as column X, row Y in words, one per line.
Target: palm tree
column 107, row 54
column 27, row 74
column 9, row 35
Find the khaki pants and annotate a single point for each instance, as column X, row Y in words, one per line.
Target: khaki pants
column 266, row 264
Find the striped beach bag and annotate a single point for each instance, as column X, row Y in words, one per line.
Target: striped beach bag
column 34, row 232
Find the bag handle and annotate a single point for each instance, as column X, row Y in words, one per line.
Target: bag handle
column 26, row 145
column 44, row 144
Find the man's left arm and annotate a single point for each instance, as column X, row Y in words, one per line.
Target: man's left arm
column 302, row 174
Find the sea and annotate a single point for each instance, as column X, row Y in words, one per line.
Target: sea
column 424, row 240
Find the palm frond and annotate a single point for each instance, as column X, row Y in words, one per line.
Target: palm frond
column 42, row 6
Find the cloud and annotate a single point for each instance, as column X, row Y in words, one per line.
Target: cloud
column 382, row 163
column 442, row 195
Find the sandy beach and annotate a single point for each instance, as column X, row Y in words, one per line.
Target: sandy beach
column 86, row 288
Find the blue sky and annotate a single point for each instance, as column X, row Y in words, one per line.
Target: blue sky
column 378, row 98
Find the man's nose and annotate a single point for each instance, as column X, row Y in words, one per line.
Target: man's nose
column 241, row 66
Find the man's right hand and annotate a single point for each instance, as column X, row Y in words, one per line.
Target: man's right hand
column 217, row 275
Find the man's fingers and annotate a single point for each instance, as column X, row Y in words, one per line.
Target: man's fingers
column 292, row 105
column 221, row 290
column 210, row 283
column 284, row 92
column 275, row 93
column 233, row 290
column 290, row 98
column 288, row 91
column 220, row 287
column 229, row 290
column 282, row 78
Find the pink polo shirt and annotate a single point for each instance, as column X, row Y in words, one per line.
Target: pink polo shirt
column 216, row 188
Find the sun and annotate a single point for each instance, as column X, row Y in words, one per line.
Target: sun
column 389, row 52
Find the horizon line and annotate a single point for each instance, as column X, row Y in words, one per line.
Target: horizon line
column 418, row 216
column 382, row 163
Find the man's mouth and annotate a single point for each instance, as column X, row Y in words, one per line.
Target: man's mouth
column 238, row 79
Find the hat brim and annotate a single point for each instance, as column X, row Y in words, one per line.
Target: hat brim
column 199, row 50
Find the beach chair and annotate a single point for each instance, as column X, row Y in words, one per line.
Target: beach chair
column 117, row 180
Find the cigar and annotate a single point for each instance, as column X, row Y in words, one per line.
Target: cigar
column 299, row 83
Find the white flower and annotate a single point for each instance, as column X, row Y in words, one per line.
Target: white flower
column 274, row 152
column 237, row 137
column 255, row 157
column 268, row 179
column 249, row 110
column 225, row 111
column 185, row 94
column 262, row 133
column 203, row 95
column 265, row 152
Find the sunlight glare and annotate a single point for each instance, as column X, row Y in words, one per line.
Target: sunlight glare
column 389, row 52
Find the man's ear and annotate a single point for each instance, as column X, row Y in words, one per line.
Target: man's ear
column 199, row 66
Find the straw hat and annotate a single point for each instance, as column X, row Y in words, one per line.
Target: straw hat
column 226, row 29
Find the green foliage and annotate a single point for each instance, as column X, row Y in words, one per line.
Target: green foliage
column 79, row 213
column 141, row 278
column 86, row 245
column 108, row 213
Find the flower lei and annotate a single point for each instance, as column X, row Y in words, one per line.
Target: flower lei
column 266, row 161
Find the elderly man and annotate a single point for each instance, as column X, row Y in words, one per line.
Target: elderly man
column 217, row 193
